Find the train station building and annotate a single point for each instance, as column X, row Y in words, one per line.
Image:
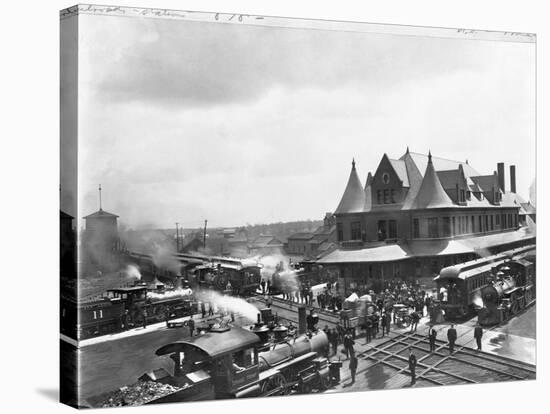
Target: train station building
column 419, row 213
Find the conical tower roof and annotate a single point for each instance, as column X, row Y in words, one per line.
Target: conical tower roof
column 431, row 193
column 353, row 199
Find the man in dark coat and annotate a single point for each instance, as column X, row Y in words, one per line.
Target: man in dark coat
column 451, row 336
column 334, row 340
column 191, row 326
column 368, row 328
column 412, row 366
column 348, row 345
column 262, row 285
column 415, row 318
column 478, row 333
column 383, row 323
column 432, row 334
column 353, row 368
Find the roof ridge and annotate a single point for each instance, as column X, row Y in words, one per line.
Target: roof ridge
column 439, row 158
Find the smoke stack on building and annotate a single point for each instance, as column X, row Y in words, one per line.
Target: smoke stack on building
column 513, row 178
column 501, row 178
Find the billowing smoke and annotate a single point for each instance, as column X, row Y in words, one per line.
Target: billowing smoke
column 279, row 263
column 171, row 294
column 163, row 257
column 132, row 272
column 229, row 304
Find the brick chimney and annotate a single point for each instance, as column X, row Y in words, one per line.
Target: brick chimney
column 500, row 173
column 513, row 178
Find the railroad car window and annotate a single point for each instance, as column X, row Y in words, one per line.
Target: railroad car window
column 100, row 313
column 95, row 315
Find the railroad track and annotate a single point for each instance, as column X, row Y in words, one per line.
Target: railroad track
column 464, row 366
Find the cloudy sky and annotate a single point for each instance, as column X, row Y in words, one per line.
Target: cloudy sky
column 185, row 121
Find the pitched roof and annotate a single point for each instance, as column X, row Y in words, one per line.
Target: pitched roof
column 449, row 178
column 63, row 215
column 431, row 193
column 486, row 182
column 266, row 240
column 415, row 179
column 301, row 236
column 353, row 199
column 100, row 214
column 441, row 164
column 401, row 171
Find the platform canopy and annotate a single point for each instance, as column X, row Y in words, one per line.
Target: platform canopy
column 426, row 248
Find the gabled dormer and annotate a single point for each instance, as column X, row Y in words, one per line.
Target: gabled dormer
column 455, row 184
column 489, row 187
column 389, row 184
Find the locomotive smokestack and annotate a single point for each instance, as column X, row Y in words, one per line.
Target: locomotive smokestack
column 501, row 178
column 513, row 178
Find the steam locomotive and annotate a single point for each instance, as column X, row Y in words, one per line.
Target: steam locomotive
column 235, row 276
column 123, row 308
column 495, row 287
column 512, row 290
column 233, row 362
column 238, row 276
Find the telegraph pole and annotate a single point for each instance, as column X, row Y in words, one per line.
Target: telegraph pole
column 204, row 235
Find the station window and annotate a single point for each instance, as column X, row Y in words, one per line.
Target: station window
column 416, row 228
column 356, row 230
column 433, row 227
column 386, row 196
column 446, row 227
column 340, row 231
column 473, row 222
column 392, row 229
column 392, row 195
column 497, row 218
column 462, row 196
column 454, row 226
column 379, row 196
column 382, row 230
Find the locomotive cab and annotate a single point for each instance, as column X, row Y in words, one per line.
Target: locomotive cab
column 224, row 360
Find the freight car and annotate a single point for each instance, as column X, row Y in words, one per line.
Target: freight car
column 460, row 287
column 233, row 362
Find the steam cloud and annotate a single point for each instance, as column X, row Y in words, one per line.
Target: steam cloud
column 132, row 272
column 229, row 303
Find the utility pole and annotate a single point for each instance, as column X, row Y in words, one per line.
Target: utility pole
column 100, row 209
column 204, row 235
column 177, row 238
